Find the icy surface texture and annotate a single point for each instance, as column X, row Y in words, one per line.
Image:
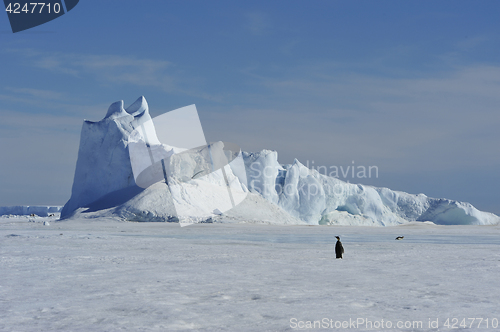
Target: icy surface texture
column 262, row 168
column 121, row 156
column 171, row 148
column 104, row 185
column 103, row 164
column 318, row 199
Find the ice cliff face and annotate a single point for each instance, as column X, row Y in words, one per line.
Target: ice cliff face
column 318, row 199
column 279, row 193
column 103, row 164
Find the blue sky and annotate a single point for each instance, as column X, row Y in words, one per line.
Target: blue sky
column 411, row 87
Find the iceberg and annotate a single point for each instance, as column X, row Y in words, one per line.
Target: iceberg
column 198, row 176
column 103, row 164
column 105, row 183
column 26, row 210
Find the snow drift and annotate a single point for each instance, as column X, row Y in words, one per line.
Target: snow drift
column 104, row 185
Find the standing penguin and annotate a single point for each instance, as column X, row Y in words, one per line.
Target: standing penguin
column 339, row 249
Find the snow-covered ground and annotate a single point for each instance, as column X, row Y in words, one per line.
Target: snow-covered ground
column 110, row 275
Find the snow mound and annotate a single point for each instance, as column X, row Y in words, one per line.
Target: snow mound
column 256, row 209
column 104, row 185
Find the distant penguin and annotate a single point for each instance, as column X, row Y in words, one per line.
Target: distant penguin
column 339, row 249
column 400, row 237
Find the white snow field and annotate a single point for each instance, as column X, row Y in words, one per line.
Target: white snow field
column 105, row 274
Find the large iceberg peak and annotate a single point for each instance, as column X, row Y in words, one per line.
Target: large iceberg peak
column 139, row 107
column 116, row 110
column 103, row 164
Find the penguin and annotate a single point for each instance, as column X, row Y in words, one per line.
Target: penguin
column 339, row 249
column 400, row 237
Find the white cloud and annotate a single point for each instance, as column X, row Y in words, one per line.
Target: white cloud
column 257, row 23
column 111, row 68
column 469, row 43
column 440, row 121
column 37, row 93
column 120, row 70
